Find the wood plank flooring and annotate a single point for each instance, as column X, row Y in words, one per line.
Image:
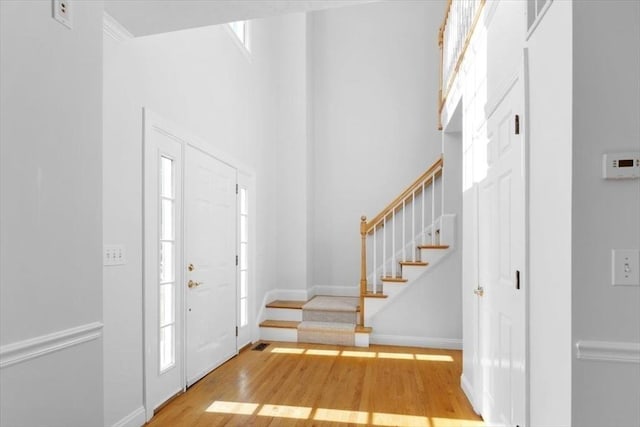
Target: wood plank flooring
column 290, row 384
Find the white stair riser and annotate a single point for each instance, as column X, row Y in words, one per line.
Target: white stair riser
column 283, row 314
column 412, row 272
column 278, row 334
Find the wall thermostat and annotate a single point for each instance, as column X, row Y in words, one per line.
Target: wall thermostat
column 621, row 165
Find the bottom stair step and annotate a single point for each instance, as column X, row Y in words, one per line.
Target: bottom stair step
column 327, row 333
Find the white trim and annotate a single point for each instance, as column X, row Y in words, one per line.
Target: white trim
column 23, row 351
column 410, row 341
column 536, row 22
column 114, row 29
column 134, row 419
column 467, row 388
column 606, row 351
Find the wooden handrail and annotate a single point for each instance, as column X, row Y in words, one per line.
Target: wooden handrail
column 434, row 170
column 366, row 227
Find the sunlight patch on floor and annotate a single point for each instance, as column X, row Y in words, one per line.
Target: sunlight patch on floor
column 341, row 416
column 382, row 419
column 284, row 411
column 237, row 408
column 286, row 350
column 363, row 354
column 316, row 352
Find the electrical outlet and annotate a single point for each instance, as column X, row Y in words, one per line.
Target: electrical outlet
column 62, row 12
column 114, row 255
column 625, row 265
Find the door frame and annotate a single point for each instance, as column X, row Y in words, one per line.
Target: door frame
column 521, row 72
column 152, row 121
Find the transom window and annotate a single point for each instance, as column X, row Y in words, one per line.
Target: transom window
column 240, row 29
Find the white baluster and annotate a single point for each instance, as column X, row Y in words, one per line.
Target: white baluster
column 375, row 250
column 433, row 208
column 404, row 256
column 413, row 224
column 384, row 247
column 424, row 196
column 393, row 242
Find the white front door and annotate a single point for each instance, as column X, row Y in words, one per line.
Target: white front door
column 501, row 258
column 210, row 257
column 163, row 277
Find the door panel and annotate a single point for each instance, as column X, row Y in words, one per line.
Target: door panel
column 210, row 254
column 501, row 237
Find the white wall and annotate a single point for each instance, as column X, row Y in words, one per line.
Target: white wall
column 122, row 224
column 248, row 107
column 50, row 215
column 293, row 192
column 606, row 107
column 550, row 211
column 429, row 313
column 375, row 78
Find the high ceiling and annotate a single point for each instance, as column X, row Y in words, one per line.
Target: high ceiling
column 146, row 17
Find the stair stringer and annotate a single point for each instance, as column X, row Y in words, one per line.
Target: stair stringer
column 412, row 273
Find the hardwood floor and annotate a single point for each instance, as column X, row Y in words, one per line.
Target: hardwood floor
column 289, row 384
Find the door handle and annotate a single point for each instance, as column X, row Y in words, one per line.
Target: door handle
column 193, row 284
column 479, row 291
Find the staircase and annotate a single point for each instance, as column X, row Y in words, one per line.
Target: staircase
column 320, row 320
column 401, row 243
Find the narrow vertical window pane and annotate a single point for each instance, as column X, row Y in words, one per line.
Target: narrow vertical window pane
column 166, row 177
column 243, row 312
column 243, row 256
column 166, row 220
column 166, row 304
column 166, row 262
column 243, row 229
column 243, row 284
column 167, row 354
column 243, row 201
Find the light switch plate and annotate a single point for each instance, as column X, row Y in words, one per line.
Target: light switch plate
column 114, row 255
column 625, row 266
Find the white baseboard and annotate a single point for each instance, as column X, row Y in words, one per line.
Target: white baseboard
column 409, row 341
column 624, row 352
column 25, row 350
column 468, row 391
column 134, row 419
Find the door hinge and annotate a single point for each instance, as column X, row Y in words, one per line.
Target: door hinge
column 517, row 124
column 236, row 188
column 236, row 331
column 517, row 279
column 236, row 260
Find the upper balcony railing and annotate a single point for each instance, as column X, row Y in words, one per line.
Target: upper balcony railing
column 460, row 19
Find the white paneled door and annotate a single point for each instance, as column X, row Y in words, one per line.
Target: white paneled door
column 501, row 263
column 190, row 267
column 210, row 256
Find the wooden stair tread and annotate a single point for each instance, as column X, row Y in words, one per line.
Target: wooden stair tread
column 285, row 324
column 374, row 295
column 363, row 329
column 433, row 246
column 414, row 263
column 286, row 304
column 394, row 279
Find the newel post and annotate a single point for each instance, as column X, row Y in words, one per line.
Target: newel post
column 363, row 266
